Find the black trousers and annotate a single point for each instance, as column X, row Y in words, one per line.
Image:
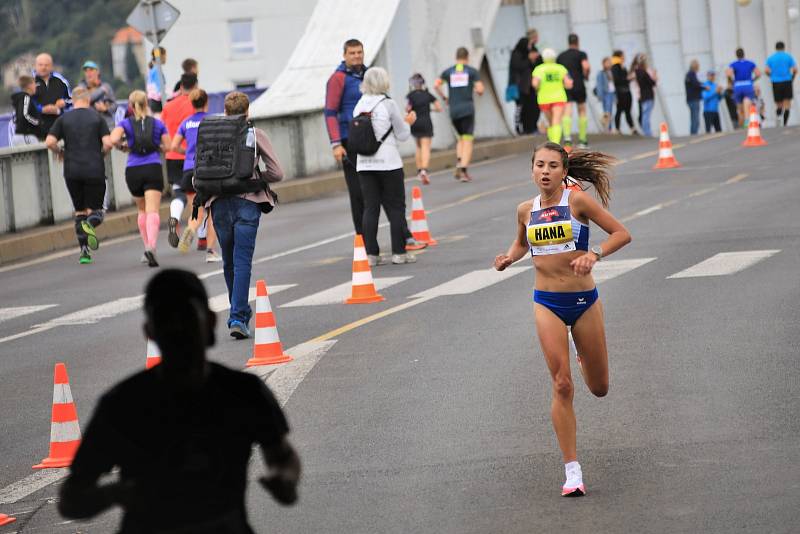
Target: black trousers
column 711, row 119
column 529, row 113
column 624, row 102
column 387, row 189
column 353, row 189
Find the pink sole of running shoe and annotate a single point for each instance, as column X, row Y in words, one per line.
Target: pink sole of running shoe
column 580, row 491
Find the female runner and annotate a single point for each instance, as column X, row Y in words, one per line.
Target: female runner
column 554, row 226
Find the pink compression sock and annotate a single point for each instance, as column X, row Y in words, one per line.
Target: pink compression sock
column 153, row 222
column 141, row 220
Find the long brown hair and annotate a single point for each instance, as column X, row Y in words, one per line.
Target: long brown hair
column 585, row 166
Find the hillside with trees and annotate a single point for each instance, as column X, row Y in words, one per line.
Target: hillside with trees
column 72, row 31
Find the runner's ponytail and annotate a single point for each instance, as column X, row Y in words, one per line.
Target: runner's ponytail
column 586, row 166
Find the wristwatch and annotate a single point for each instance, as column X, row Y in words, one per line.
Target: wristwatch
column 598, row 251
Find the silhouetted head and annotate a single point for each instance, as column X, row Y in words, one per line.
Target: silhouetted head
column 572, row 40
column 739, row 53
column 179, row 320
column 780, row 45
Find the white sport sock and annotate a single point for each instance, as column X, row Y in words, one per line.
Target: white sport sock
column 176, row 208
column 574, row 475
column 202, row 230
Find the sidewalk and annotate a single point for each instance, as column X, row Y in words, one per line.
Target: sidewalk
column 23, row 245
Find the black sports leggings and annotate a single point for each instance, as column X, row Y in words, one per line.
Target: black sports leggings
column 624, row 102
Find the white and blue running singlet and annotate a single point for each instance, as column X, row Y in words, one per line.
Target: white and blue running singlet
column 554, row 230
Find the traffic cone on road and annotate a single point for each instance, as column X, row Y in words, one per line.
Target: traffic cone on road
column 754, row 130
column 268, row 349
column 419, row 224
column 153, row 354
column 65, row 433
column 666, row 159
column 5, row 520
column 363, row 288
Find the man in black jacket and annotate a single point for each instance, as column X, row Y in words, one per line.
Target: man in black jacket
column 524, row 58
column 52, row 91
column 28, row 125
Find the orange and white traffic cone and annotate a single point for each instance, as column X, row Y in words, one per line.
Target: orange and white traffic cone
column 666, row 159
column 5, row 520
column 419, row 224
column 153, row 354
column 363, row 288
column 65, row 433
column 267, row 349
column 754, row 130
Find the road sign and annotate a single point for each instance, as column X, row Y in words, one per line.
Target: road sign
column 153, row 19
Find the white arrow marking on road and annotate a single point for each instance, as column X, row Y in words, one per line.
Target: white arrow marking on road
column 19, row 311
column 220, row 303
column 725, row 263
column 337, row 294
column 284, row 378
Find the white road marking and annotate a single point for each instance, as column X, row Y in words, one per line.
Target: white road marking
column 19, row 311
column 284, row 378
column 608, row 269
column 648, row 211
column 220, row 303
column 337, row 294
column 725, row 263
column 471, row 282
column 30, row 484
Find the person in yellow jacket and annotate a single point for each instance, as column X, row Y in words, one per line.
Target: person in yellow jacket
column 551, row 82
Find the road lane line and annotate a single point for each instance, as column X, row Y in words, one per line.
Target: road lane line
column 609, row 269
column 337, row 294
column 18, row 311
column 648, row 211
column 471, row 282
column 737, row 178
column 725, row 263
column 30, row 484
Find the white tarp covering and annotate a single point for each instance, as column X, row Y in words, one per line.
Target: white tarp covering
column 301, row 85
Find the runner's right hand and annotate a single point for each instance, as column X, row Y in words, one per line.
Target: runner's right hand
column 501, row 261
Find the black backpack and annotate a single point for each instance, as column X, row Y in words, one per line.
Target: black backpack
column 143, row 136
column 226, row 158
column 361, row 137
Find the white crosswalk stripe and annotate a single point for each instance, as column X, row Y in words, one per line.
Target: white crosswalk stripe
column 18, row 311
column 608, row 269
column 337, row 294
column 725, row 263
column 220, row 303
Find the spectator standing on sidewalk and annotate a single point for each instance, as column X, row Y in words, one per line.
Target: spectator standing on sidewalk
column 622, row 86
column 606, row 93
column 156, row 84
column 53, row 94
column 101, row 94
column 419, row 100
column 236, row 218
column 86, row 141
column 694, row 94
column 188, row 433
column 524, row 58
column 28, row 123
column 781, row 69
column 381, row 174
column 462, row 81
column 712, row 94
column 646, row 79
column 188, row 66
column 341, row 95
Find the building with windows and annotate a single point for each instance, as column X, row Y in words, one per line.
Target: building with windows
column 238, row 43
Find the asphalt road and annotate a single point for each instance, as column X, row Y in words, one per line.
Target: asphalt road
column 435, row 416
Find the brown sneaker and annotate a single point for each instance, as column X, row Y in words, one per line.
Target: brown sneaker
column 465, row 177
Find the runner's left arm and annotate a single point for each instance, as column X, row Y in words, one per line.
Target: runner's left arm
column 618, row 236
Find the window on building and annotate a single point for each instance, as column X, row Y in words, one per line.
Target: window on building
column 245, row 85
column 243, row 41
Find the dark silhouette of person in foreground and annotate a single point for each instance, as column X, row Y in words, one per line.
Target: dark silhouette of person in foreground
column 182, row 432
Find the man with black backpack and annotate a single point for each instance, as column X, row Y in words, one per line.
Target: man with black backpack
column 229, row 180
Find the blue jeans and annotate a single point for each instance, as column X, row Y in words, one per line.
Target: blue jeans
column 644, row 120
column 236, row 222
column 608, row 107
column 694, row 114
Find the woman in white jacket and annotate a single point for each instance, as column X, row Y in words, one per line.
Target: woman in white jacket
column 381, row 174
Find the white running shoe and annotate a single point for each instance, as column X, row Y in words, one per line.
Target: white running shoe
column 573, row 487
